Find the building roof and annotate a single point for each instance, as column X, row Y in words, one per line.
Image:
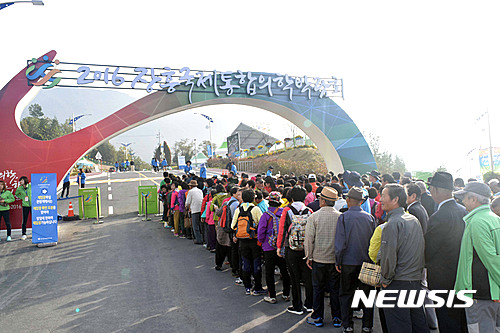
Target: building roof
column 250, row 137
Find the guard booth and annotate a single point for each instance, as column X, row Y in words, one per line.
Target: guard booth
column 148, row 197
column 90, row 202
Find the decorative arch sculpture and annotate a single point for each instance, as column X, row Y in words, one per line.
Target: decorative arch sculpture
column 337, row 137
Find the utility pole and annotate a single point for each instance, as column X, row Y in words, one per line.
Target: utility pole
column 491, row 148
column 195, row 153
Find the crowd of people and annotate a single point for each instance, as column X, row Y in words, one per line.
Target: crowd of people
column 125, row 166
column 316, row 231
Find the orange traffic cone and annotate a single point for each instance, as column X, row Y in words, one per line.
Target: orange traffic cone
column 70, row 210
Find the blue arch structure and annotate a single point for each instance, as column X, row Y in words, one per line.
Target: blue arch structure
column 337, row 137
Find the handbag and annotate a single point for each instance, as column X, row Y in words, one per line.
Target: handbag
column 370, row 274
column 188, row 223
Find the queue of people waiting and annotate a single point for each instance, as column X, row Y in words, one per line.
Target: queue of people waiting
column 319, row 230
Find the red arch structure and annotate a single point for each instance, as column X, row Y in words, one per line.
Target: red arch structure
column 337, row 137
column 22, row 155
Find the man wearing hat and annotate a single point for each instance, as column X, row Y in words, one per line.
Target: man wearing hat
column 354, row 230
column 352, row 178
column 312, row 181
column 442, row 248
column 479, row 262
column 193, row 202
column 374, row 177
column 494, row 185
column 269, row 172
column 319, row 245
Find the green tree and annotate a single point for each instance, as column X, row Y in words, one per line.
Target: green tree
column 386, row 162
column 184, row 147
column 203, row 147
column 441, row 169
column 107, row 150
column 44, row 128
column 35, row 110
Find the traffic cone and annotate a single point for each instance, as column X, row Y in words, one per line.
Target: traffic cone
column 70, row 210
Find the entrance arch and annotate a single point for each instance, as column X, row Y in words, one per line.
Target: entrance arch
column 337, row 137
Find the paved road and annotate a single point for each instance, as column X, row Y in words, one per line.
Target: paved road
column 118, row 191
column 126, row 275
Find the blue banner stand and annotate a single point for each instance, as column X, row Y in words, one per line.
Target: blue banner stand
column 44, row 209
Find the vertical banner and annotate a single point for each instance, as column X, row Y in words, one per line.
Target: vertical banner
column 209, row 151
column 44, row 207
column 485, row 162
column 181, row 161
column 233, row 145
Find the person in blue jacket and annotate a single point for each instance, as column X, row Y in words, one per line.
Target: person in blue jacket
column 188, row 167
column 127, row 165
column 233, row 169
column 80, row 179
column 116, row 166
column 203, row 171
column 65, row 186
column 269, row 172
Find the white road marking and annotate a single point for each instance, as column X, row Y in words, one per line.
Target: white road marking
column 110, row 210
column 110, row 196
column 109, row 183
column 109, row 188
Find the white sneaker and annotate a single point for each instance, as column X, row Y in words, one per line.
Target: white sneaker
column 270, row 300
column 24, row 237
column 9, row 239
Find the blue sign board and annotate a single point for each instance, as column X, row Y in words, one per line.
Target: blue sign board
column 209, row 150
column 44, row 207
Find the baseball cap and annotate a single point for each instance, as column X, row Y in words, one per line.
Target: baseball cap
column 474, row 187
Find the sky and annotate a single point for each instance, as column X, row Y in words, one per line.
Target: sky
column 417, row 75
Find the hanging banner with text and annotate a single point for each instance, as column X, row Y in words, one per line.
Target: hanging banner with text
column 484, row 160
column 44, row 207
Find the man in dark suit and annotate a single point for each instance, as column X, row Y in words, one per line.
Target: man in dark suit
column 442, row 248
column 426, row 199
column 415, row 208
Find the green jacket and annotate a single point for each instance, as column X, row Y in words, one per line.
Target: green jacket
column 217, row 200
column 482, row 233
column 9, row 198
column 22, row 193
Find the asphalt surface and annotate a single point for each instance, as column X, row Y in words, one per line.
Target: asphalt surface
column 129, row 275
column 119, row 191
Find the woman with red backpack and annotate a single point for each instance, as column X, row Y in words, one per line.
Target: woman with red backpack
column 267, row 235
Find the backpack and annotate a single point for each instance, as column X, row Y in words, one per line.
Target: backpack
column 226, row 219
column 297, row 230
column 245, row 227
column 273, row 237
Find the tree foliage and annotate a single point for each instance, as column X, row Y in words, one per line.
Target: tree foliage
column 110, row 155
column 203, row 147
column 184, row 147
column 40, row 127
column 35, row 110
column 386, row 162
